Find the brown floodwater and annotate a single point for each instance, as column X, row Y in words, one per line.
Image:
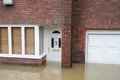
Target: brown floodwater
column 53, row 71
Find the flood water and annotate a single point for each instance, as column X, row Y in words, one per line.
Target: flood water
column 53, row 71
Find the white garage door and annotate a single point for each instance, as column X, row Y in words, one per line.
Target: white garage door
column 103, row 48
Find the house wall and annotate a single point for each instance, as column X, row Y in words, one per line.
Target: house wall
column 93, row 15
column 42, row 12
column 23, row 61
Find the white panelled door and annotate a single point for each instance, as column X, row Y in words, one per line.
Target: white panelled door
column 103, row 48
column 54, row 45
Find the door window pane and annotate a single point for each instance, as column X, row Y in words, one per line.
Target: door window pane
column 52, row 42
column 56, row 32
column 59, row 42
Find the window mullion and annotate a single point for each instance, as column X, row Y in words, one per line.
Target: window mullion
column 10, row 39
column 23, row 39
column 36, row 32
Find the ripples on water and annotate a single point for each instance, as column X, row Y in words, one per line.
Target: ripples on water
column 53, row 71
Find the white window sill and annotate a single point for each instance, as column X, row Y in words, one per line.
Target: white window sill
column 22, row 56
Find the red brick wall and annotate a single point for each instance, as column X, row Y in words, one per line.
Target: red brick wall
column 95, row 15
column 23, row 61
column 42, row 12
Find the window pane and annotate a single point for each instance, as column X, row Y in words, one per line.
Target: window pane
column 4, row 40
column 59, row 42
column 52, row 42
column 41, row 39
column 16, row 40
column 29, row 41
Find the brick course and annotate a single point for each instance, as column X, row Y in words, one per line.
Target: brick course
column 23, row 61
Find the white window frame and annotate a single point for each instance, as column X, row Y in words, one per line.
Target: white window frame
column 23, row 55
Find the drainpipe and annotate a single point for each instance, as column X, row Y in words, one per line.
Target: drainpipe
column 72, row 25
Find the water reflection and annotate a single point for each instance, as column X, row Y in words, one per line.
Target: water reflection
column 18, row 75
column 53, row 71
column 50, row 71
column 102, row 72
column 8, row 72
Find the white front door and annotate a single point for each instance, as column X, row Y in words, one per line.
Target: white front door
column 54, row 48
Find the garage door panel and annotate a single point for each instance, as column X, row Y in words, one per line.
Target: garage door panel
column 113, row 41
column 112, row 55
column 103, row 49
column 94, row 54
column 94, row 50
column 94, row 42
column 96, row 58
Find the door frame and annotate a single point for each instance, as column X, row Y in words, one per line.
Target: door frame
column 97, row 32
column 48, row 30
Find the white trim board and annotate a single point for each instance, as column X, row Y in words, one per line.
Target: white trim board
column 103, row 32
column 25, row 56
column 19, row 25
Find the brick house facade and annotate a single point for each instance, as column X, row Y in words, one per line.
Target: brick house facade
column 82, row 15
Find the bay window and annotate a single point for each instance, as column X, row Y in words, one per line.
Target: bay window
column 23, row 41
